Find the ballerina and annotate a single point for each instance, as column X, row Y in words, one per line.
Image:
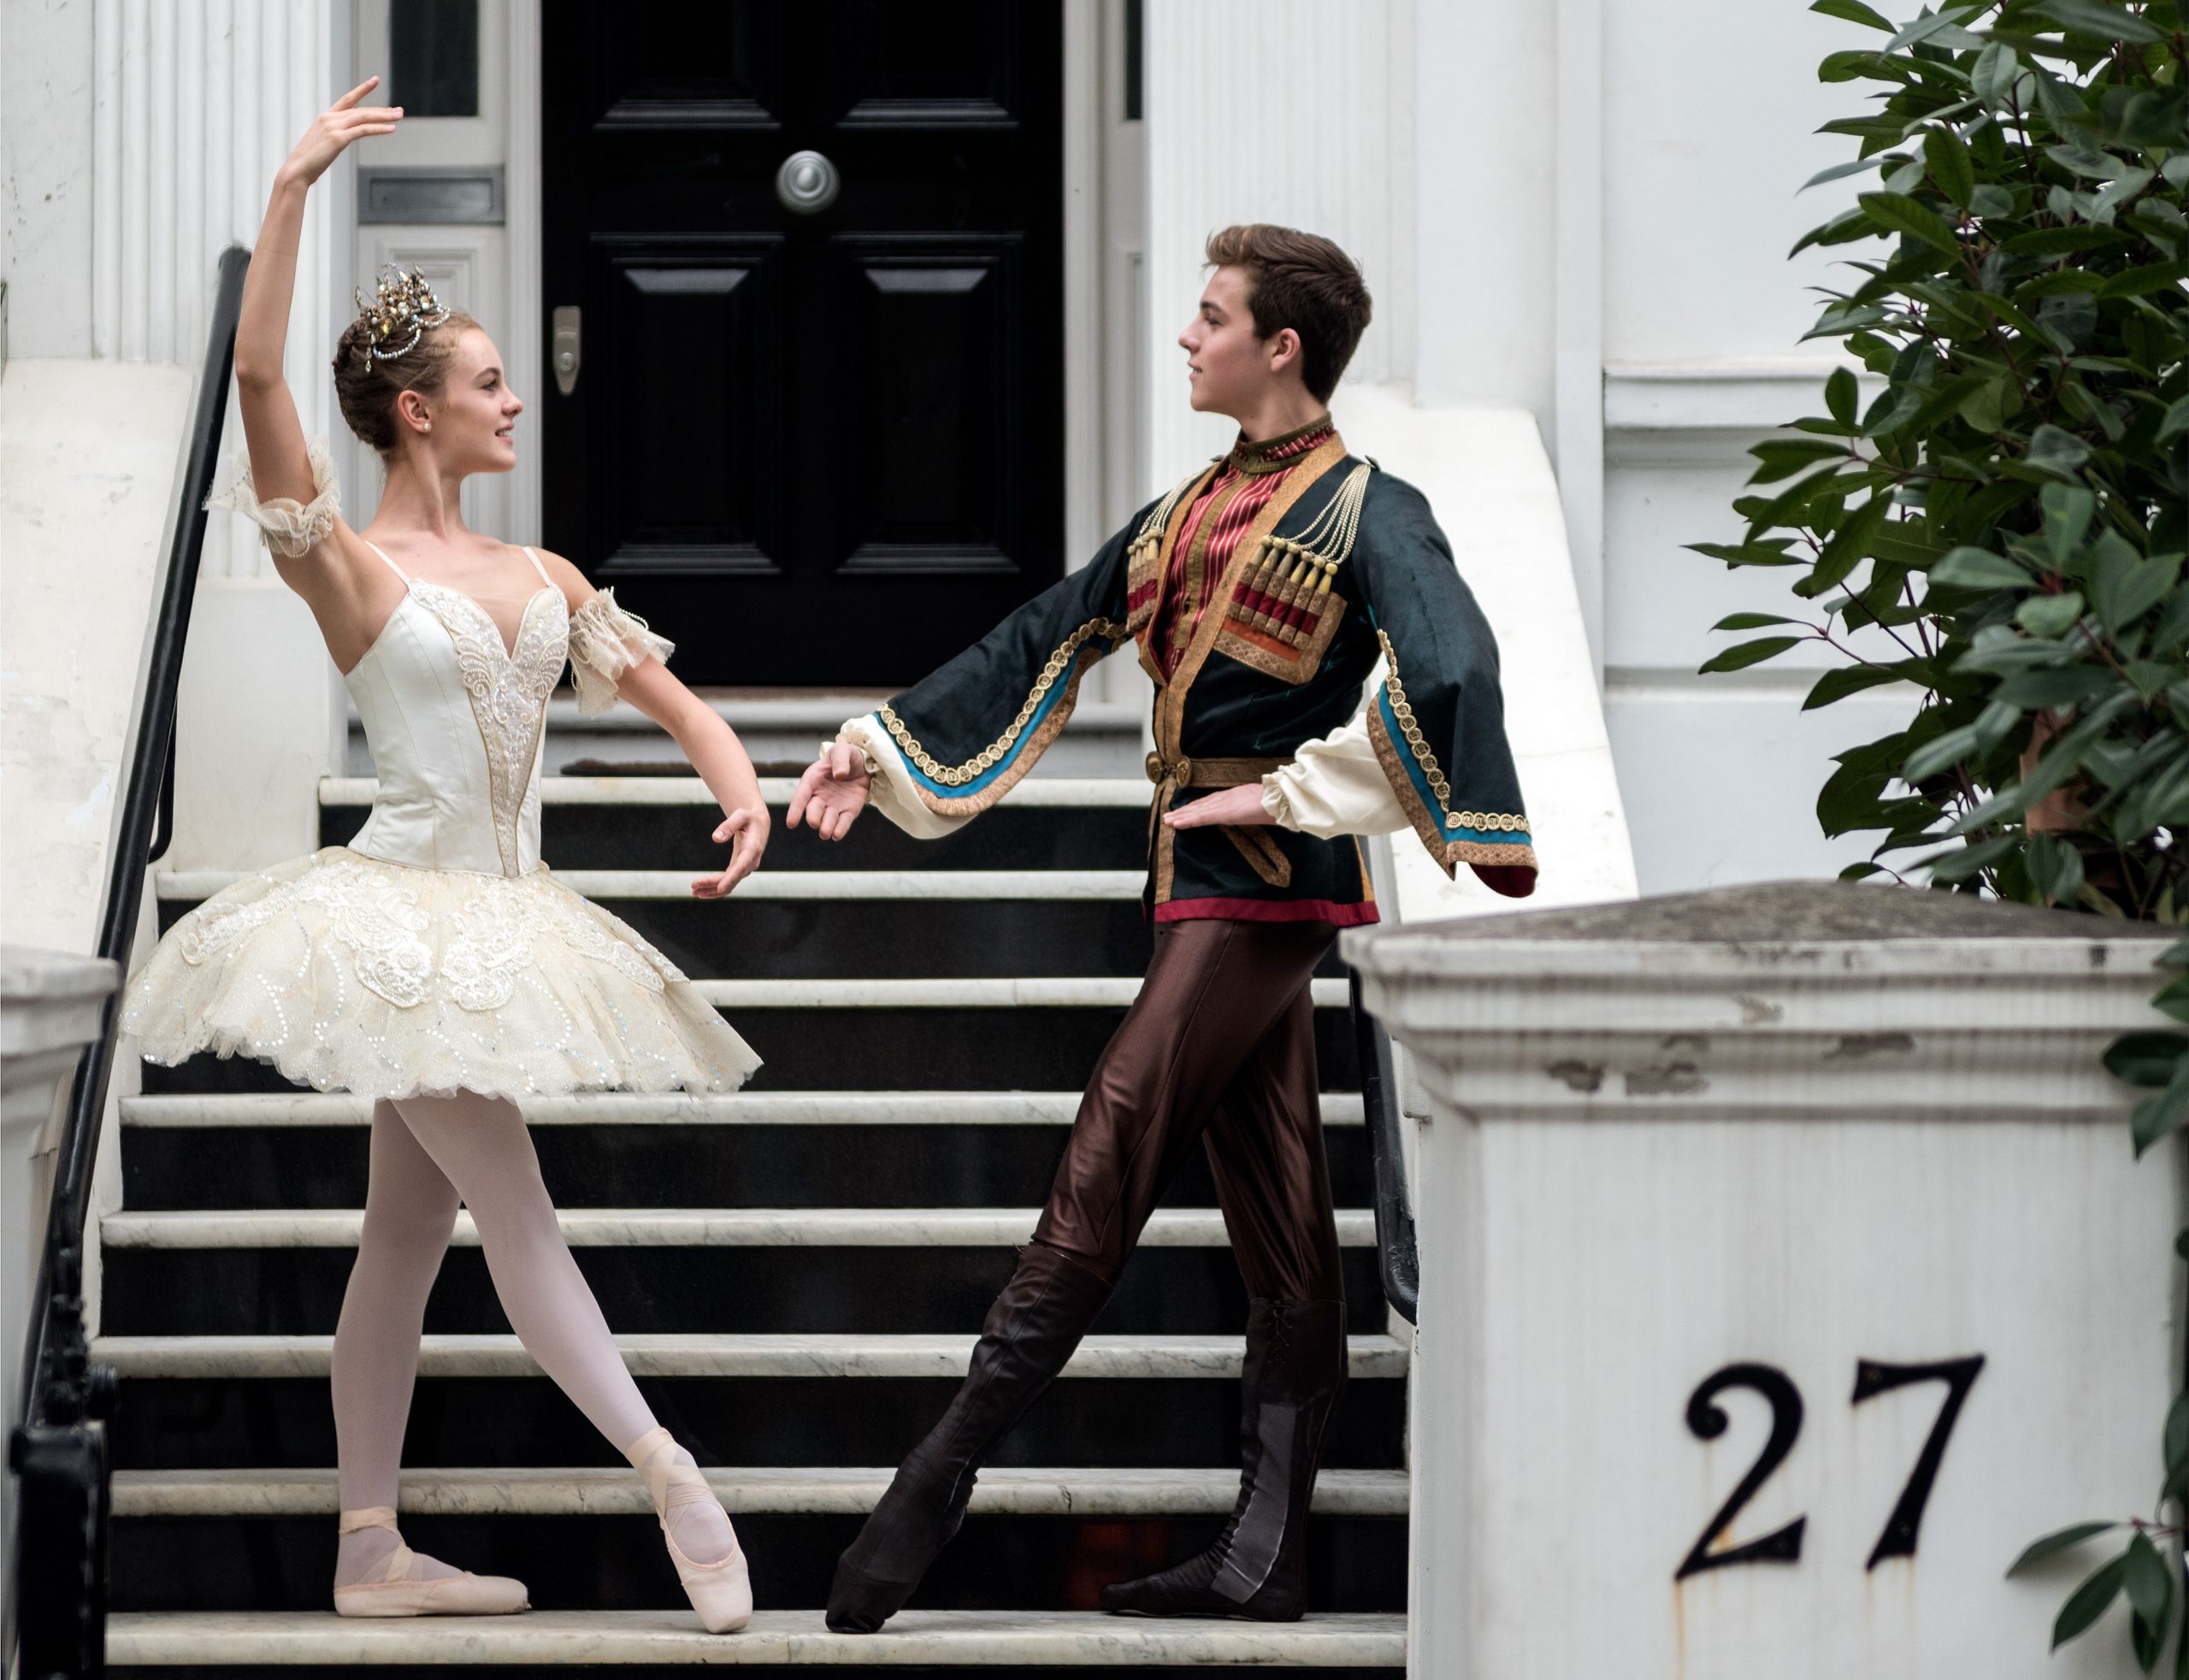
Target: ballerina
column 433, row 964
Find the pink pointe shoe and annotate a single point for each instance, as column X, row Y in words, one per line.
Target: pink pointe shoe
column 388, row 1590
column 720, row 1591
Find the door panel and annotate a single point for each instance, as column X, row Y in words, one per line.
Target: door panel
column 936, row 405
column 689, row 481
column 820, row 449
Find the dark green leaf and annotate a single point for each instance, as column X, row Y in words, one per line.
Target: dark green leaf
column 2138, row 281
column 1841, row 396
column 2056, row 451
column 2095, row 17
column 2060, row 241
column 2088, row 1602
column 2149, row 1584
column 2055, row 689
column 1782, row 457
column 2146, row 1059
column 1967, row 568
column 1950, row 165
column 1751, row 620
column 1852, row 11
column 2050, row 616
column 1848, row 680
column 1993, row 75
column 1840, row 171
column 1947, row 749
column 1900, row 214
column 1749, row 654
column 2060, row 1540
column 2160, row 1116
column 2124, row 587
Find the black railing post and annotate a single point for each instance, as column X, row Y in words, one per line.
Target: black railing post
column 1397, row 1259
column 57, row 1586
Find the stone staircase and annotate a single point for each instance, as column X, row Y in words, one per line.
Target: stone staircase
column 796, row 1270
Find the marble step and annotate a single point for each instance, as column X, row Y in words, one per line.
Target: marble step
column 730, row 1289
column 968, row 1035
column 693, row 1354
column 897, row 924
column 686, row 1228
column 624, row 1108
column 787, row 886
column 1033, row 793
column 1100, row 737
column 549, row 1491
column 1014, row 992
column 880, row 1149
column 667, row 821
column 968, row 1638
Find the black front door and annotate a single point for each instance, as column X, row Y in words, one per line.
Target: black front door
column 816, row 446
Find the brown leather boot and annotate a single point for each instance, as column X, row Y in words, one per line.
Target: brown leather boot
column 1257, row 1570
column 1031, row 1333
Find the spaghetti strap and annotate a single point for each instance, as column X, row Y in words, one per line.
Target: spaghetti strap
column 540, row 569
column 385, row 561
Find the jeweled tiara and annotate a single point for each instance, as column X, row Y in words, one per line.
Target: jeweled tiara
column 399, row 312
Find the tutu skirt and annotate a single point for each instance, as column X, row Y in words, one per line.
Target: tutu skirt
column 349, row 974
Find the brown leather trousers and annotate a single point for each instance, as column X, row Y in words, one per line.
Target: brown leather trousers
column 1221, row 1047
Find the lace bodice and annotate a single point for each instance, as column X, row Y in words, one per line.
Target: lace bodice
column 454, row 718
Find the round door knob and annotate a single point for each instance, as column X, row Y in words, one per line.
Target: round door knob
column 807, row 183
column 566, row 364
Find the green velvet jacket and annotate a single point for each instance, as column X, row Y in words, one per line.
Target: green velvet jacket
column 1344, row 565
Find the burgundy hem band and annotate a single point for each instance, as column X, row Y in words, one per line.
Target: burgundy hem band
column 1268, row 909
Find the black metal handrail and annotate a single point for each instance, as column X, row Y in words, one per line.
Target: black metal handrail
column 1397, row 1259
column 59, row 1584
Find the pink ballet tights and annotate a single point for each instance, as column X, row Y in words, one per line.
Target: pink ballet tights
column 428, row 1152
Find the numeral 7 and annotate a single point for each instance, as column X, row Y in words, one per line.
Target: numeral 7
column 1874, row 1377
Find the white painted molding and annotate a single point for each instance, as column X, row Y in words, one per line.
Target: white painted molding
column 1578, row 387
column 522, row 336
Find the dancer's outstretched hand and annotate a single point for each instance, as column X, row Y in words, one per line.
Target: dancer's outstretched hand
column 832, row 792
column 1233, row 807
column 747, row 831
column 336, row 128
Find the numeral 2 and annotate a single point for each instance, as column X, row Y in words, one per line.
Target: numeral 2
column 1707, row 1421
column 1872, row 1378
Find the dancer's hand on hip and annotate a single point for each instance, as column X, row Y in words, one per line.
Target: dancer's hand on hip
column 338, row 127
column 832, row 792
column 1233, row 807
column 747, row 830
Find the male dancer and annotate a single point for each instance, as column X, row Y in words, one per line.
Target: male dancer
column 1260, row 592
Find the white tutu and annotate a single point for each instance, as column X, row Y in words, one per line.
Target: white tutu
column 350, row 974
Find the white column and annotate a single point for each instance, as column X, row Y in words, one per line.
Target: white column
column 195, row 107
column 1297, row 128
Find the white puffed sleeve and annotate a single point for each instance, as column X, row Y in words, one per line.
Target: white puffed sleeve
column 605, row 641
column 1335, row 786
column 290, row 528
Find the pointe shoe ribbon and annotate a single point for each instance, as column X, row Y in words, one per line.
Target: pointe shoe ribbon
column 722, row 1591
column 388, row 1589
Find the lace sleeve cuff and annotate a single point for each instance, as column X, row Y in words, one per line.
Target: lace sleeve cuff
column 605, row 641
column 290, row 528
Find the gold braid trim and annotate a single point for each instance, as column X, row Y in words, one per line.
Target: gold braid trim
column 1484, row 820
column 992, row 755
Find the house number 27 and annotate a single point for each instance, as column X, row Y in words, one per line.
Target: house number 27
column 1707, row 1420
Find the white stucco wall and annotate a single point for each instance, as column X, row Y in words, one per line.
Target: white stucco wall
column 1709, row 109
column 87, row 463
column 45, row 175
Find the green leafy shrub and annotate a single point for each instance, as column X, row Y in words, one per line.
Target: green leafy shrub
column 2002, row 524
